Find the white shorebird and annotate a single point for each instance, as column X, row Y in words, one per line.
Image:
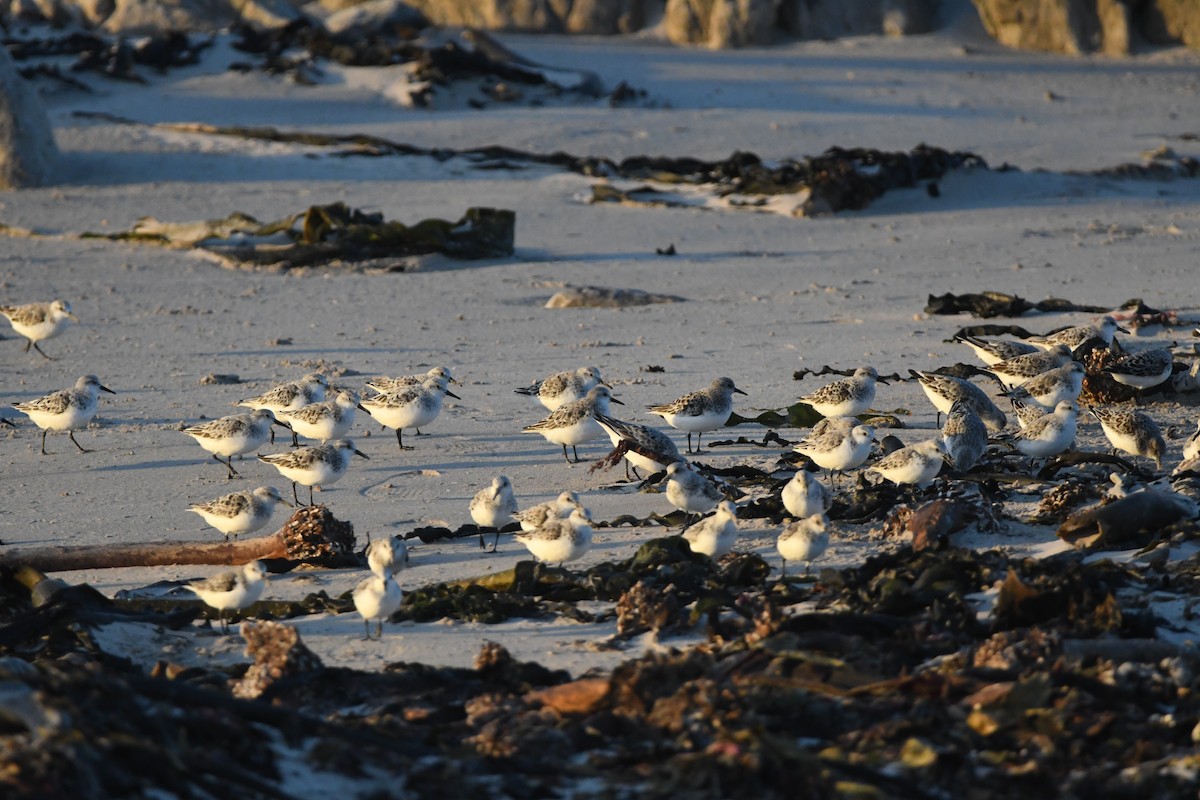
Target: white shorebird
column 289, row 397
column 917, row 464
column 1049, row 434
column 993, row 351
column 1016, row 371
column 803, row 540
column 642, row 446
column 314, row 466
column 690, row 491
column 326, row 420
column 715, row 535
column 535, row 517
column 847, row 397
column 410, row 407
column 1104, row 328
column 493, row 506
column 66, row 410
column 386, row 556
column 805, row 495
column 945, row 390
column 231, row 591
column 240, row 512
column 39, row 321
column 700, row 412
column 575, row 423
column 1131, row 431
column 839, row 450
column 560, row 540
column 377, row 598
column 555, row 391
column 964, row 437
column 1051, row 387
column 1142, row 370
column 234, row 435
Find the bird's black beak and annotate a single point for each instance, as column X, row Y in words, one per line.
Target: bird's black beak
column 615, row 400
column 452, row 394
column 738, row 391
column 361, row 453
column 106, row 389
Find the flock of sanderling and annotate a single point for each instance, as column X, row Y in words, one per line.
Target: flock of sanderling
column 1039, row 376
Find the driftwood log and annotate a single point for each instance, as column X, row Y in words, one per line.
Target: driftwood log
column 312, row 534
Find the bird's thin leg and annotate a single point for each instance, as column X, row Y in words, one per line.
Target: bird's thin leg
column 418, row 430
column 496, row 541
column 44, row 431
column 295, row 497
column 575, row 453
column 28, row 344
column 310, row 497
column 367, row 629
column 400, row 439
column 690, row 451
column 784, row 568
column 379, row 630
column 35, row 347
column 71, row 434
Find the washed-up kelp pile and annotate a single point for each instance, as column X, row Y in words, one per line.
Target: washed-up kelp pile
column 893, row 682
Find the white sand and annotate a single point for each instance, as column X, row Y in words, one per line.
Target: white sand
column 766, row 294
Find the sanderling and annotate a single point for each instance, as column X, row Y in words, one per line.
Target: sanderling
column 838, row 450
column 1143, row 370
column 964, row 436
column 1017, row 370
column 1027, row 413
column 234, row 435
column 994, row 351
column 377, row 598
column 829, row 424
column 231, row 591
column 409, row 408
column 561, row 388
column 559, row 540
column 916, row 464
column 385, row 385
column 715, row 535
column 314, row 466
column 536, row 516
column 1051, row 387
column 39, row 321
column 698, row 412
column 329, row 419
column 1104, row 328
column 575, row 423
column 945, row 390
column 1191, row 448
column 493, row 507
column 847, row 397
column 691, row 491
column 386, row 556
column 805, row 495
column 290, row 396
column 641, row 445
column 1132, row 432
column 803, row 540
column 66, row 410
column 1049, row 434
column 240, row 512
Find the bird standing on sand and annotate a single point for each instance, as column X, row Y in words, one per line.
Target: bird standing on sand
column 314, row 466
column 231, row 591
column 560, row 540
column 847, row 397
column 326, row 420
column 385, row 385
column 1132, row 432
column 386, row 556
column 575, row 423
column 1049, row 434
column 66, row 410
column 410, row 407
column 803, row 540
column 1143, row 370
column 240, row 512
column 1051, row 387
column 1015, row 371
column 555, row 391
column 715, row 535
column 916, row 464
column 945, row 390
column 1104, row 329
column 377, row 598
column 690, row 491
column 805, row 495
column 838, row 450
column 964, row 437
column 493, row 506
column 643, row 446
column 39, row 321
column 702, row 411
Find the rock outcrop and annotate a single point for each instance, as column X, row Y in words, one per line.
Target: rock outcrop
column 28, row 154
column 603, row 17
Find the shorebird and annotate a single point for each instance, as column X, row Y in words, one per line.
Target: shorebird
column 560, row 540
column 964, row 437
column 66, row 410
column 1104, row 328
column 715, row 535
column 1143, row 370
column 805, row 495
column 493, row 506
column 690, row 491
column 1132, row 432
column 240, row 512
column 555, row 391
column 536, row 516
column 324, row 421
column 992, row 352
column 642, row 446
column 1017, row 370
column 575, row 422
column 945, row 390
column 838, row 450
column 1049, row 434
column 231, row 591
column 916, row 464
column 377, row 598
column 803, row 540
column 1051, row 387
column 847, row 397
column 699, row 412
column 234, row 435
column 410, row 407
column 385, row 385
column 314, row 466
column 39, row 321
column 289, row 397
column 386, row 556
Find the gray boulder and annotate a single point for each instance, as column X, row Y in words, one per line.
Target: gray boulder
column 28, row 154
